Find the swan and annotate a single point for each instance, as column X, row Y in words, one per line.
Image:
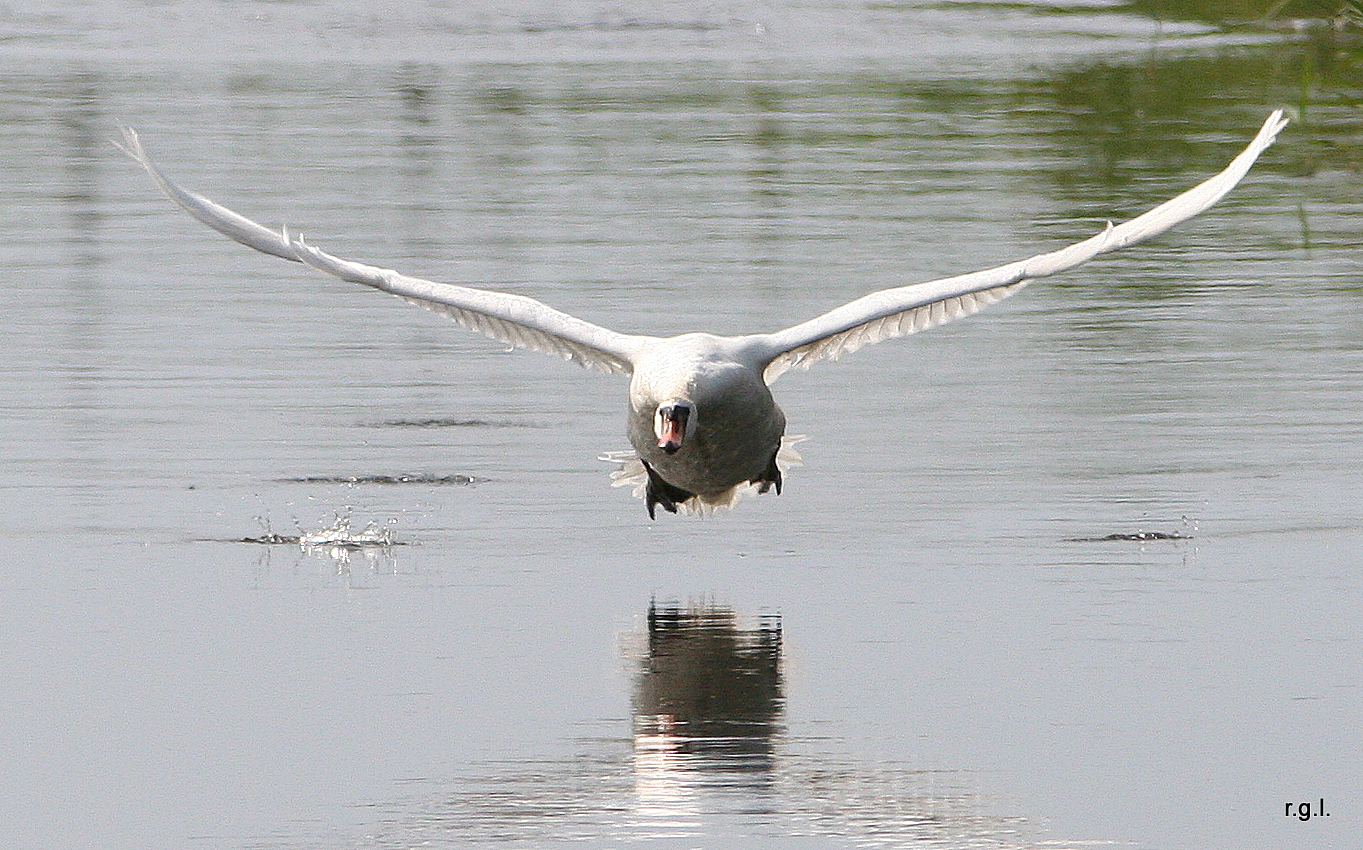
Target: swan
column 702, row 421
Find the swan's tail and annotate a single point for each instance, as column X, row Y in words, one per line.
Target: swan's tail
column 630, row 472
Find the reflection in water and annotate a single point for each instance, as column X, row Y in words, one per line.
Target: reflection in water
column 709, row 688
column 707, row 706
column 711, row 763
column 81, row 349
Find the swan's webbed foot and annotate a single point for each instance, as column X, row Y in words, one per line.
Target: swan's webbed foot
column 771, row 476
column 659, row 492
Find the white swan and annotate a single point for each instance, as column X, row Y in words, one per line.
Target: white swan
column 702, row 420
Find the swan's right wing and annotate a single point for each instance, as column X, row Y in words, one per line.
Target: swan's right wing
column 897, row 312
column 514, row 319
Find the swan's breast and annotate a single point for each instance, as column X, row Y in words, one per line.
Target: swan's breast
column 738, row 425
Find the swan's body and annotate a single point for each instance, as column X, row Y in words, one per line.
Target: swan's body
column 730, row 427
column 702, row 419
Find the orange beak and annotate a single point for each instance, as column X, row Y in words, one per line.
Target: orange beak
column 671, row 428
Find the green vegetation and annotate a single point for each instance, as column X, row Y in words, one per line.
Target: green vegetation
column 1336, row 14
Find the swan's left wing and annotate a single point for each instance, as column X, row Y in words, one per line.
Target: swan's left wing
column 514, row 319
column 897, row 312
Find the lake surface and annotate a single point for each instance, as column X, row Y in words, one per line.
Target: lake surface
column 1080, row 571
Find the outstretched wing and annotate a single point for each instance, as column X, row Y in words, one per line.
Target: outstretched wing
column 514, row 319
column 897, row 312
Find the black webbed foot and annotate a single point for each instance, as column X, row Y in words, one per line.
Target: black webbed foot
column 659, row 492
column 770, row 476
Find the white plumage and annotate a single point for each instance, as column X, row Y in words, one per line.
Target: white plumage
column 702, row 420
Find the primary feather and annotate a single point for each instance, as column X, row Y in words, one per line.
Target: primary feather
column 514, row 319
column 896, row 312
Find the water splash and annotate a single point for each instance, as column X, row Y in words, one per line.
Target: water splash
column 340, row 534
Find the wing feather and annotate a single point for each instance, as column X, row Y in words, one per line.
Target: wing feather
column 904, row 310
column 513, row 319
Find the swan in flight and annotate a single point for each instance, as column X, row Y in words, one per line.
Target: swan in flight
column 702, row 420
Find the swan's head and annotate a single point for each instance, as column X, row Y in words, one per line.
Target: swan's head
column 674, row 421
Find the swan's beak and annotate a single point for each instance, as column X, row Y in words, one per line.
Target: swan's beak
column 672, row 427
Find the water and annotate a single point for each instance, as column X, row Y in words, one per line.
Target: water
column 962, row 658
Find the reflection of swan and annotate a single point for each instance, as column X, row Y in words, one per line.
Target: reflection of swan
column 707, row 707
column 702, row 420
column 710, row 763
column 709, row 687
